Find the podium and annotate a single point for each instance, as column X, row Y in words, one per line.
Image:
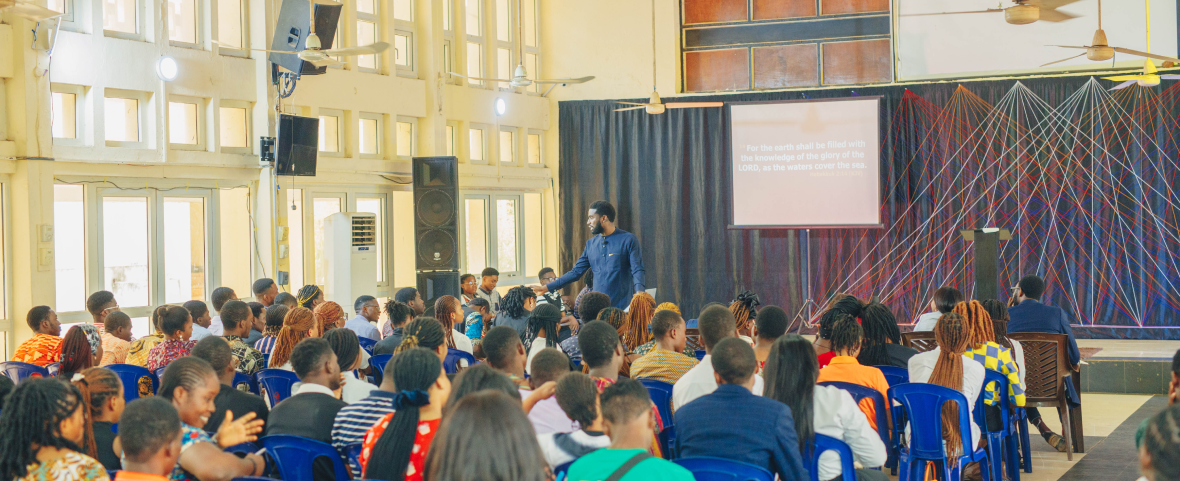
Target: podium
column 987, row 255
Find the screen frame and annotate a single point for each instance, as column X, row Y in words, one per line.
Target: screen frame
column 729, row 165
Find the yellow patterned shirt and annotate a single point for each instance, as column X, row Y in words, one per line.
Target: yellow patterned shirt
column 41, row 349
column 998, row 358
column 138, row 354
column 662, row 365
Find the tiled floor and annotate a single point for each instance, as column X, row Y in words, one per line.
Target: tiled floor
column 1131, row 349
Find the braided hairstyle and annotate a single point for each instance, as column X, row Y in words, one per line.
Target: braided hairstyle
column 327, row 314
column 297, row 325
column 31, row 419
column 413, row 370
column 846, row 333
column 76, row 354
column 398, row 312
column 999, row 312
column 1161, row 442
column 880, row 328
column 546, row 317
column 424, row 332
column 447, row 311
column 307, row 295
column 953, row 334
column 635, row 331
column 744, row 309
column 97, row 386
column 980, row 321
column 275, row 314
column 346, row 345
column 512, row 304
column 616, row 318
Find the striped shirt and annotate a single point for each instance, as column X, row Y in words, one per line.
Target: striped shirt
column 998, row 358
column 662, row 365
column 355, row 419
column 266, row 344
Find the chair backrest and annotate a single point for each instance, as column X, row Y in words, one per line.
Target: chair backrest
column 353, row 453
column 367, row 344
column 245, row 448
column 661, row 395
column 378, row 363
column 19, row 371
column 53, row 368
column 160, row 372
column 701, row 354
column 130, row 375
column 895, row 375
column 251, row 384
column 822, row 444
column 859, row 392
column 706, row 468
column 560, row 471
column 277, row 384
column 294, row 456
column 667, row 439
column 922, row 340
column 990, row 376
column 923, row 404
column 451, row 362
column 1045, row 365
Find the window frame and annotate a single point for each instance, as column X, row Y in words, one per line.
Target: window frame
column 381, row 149
column 540, row 148
column 408, row 28
column 79, row 93
column 342, row 130
column 244, row 25
column 374, row 18
column 413, row 121
column 535, row 50
column 519, row 275
column 198, row 26
column 477, row 39
column 454, row 142
column 237, row 104
column 515, row 145
column 505, row 45
column 145, row 127
column 138, row 35
column 449, row 36
column 484, row 153
column 200, row 125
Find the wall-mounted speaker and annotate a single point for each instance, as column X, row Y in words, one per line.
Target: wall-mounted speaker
column 292, row 29
column 436, row 213
column 299, row 140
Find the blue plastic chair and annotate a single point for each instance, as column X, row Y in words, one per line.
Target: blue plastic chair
column 53, row 368
column 367, row 344
column 277, row 384
column 667, row 440
column 354, row 458
column 378, row 363
column 19, row 371
column 701, row 355
column 451, row 362
column 245, row 478
column 295, row 456
column 1002, row 445
column 559, row 473
column 895, row 375
column 130, row 375
column 822, row 444
column 160, row 373
column 249, row 381
column 859, row 392
column 112, row 473
column 923, row 404
column 661, row 395
column 246, row 448
column 707, row 468
column 1025, row 447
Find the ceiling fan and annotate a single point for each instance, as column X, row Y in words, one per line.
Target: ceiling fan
column 313, row 51
column 1149, row 77
column 1023, row 12
column 1100, row 50
column 28, row 10
column 655, row 105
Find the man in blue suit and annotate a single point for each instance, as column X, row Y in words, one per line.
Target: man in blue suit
column 1030, row 315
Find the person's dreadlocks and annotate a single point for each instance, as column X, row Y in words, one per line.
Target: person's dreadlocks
column 31, row 420
column 616, row 318
column 512, row 304
column 846, row 333
column 880, row 328
column 744, row 309
column 307, row 294
column 297, row 324
column 980, row 321
column 635, row 331
column 446, row 310
column 952, row 333
column 999, row 312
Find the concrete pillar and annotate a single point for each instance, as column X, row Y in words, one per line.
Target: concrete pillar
column 31, row 209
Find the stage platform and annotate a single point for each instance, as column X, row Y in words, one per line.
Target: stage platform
column 1123, row 366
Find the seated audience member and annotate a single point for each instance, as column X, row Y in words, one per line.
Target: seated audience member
column 44, row 347
column 546, row 414
column 950, row 366
column 201, row 319
column 588, row 307
column 137, row 354
column 771, row 324
column 1158, row 460
column 309, row 297
column 399, row 315
column 449, row 313
column 846, row 342
column 329, row 315
column 578, row 398
column 745, row 310
column 467, row 286
column 311, row 410
column 368, row 312
column 541, row 332
column 842, row 304
column 569, row 323
column 150, row 439
column 509, row 452
column 984, row 350
column 715, row 323
column 626, row 412
column 219, row 355
column 480, row 316
column 396, row 447
column 257, row 324
column 617, row 318
column 177, row 325
column 734, row 423
column 100, row 305
column 219, row 297
column 602, row 356
column 104, row 393
column 477, row 378
column 1030, row 315
column 791, row 372
column 488, row 278
column 516, row 307
column 998, row 311
column 347, row 347
column 116, row 338
column 267, row 292
column 636, row 326
column 505, row 352
column 943, row 301
column 355, row 419
column 237, row 321
column 190, row 383
column 665, row 362
column 42, row 427
column 428, row 333
column 274, row 324
column 286, row 299
column 882, row 343
column 646, row 347
column 1173, row 395
column 81, row 349
column 298, row 324
column 409, row 297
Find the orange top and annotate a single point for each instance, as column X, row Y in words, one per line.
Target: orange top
column 41, row 349
column 130, row 476
column 847, row 369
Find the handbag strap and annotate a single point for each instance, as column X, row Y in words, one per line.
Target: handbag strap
column 626, row 467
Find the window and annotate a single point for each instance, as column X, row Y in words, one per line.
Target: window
column 121, row 17
column 229, row 25
column 65, row 115
column 404, row 10
column 321, row 208
column 404, row 50
column 376, row 206
column 62, row 6
column 498, row 233
column 446, row 15
column 475, row 224
column 69, row 244
column 401, row 234
column 508, row 145
column 534, row 239
column 405, row 137
column 369, row 129
column 534, row 148
column 182, row 21
column 184, row 249
column 474, row 63
column 295, row 237
column 506, row 248
column 448, row 60
column 504, row 67
column 234, row 128
column 476, row 145
column 122, row 121
column 367, row 22
column 534, row 70
column 474, row 50
column 474, row 9
column 125, row 249
column 184, row 124
column 532, row 50
column 331, row 135
column 505, row 31
column 236, row 239
column 451, row 128
column 403, row 37
column 503, row 21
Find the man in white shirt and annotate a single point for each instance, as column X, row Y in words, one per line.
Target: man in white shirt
column 547, row 415
column 577, row 397
column 368, row 312
column 219, row 297
column 715, row 323
column 942, row 302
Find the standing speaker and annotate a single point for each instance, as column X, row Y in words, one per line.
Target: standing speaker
column 436, row 213
column 435, row 284
column 292, row 29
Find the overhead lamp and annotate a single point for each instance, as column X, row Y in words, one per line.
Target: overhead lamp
column 501, row 107
column 167, row 68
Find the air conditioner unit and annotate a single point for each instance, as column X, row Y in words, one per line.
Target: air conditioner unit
column 350, row 257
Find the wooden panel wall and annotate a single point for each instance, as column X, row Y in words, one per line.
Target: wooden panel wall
column 774, row 9
column 786, row 66
column 712, row 11
column 856, row 62
column 838, row 7
column 707, row 70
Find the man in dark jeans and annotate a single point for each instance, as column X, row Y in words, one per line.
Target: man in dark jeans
column 1030, row 315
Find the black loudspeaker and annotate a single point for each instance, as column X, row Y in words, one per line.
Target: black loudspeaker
column 432, row 285
column 291, row 34
column 299, row 139
column 436, row 214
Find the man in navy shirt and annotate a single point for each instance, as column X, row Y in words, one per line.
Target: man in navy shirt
column 613, row 255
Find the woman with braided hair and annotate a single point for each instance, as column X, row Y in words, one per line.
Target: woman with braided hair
column 544, row 324
column 310, row 296
column 449, row 313
column 882, row 346
column 102, row 394
column 1159, row 458
column 426, row 332
column 515, row 308
column 347, row 347
column 637, row 329
column 298, row 324
column 948, row 366
column 81, row 349
column 846, row 343
column 744, row 309
column 984, row 350
column 395, row 448
column 329, row 315
column 42, row 428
